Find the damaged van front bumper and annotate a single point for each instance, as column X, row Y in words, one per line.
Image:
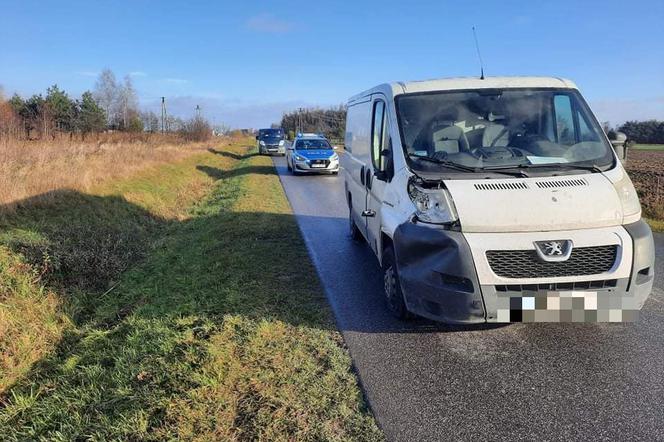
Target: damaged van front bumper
column 438, row 270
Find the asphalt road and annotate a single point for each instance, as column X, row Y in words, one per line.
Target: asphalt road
column 428, row 381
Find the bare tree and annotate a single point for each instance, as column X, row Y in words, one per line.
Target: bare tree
column 150, row 121
column 106, row 94
column 128, row 101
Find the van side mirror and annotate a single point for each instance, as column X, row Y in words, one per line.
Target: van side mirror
column 619, row 143
column 256, row 137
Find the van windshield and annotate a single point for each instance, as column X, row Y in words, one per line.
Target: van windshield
column 271, row 133
column 488, row 129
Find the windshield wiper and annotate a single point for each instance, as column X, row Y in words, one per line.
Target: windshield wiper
column 453, row 165
column 446, row 163
column 591, row 167
column 567, row 166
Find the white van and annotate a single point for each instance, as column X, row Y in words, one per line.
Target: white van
column 495, row 200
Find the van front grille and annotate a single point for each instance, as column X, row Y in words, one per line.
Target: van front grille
column 559, row 286
column 527, row 264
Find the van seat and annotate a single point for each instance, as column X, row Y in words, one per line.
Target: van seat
column 495, row 135
column 450, row 139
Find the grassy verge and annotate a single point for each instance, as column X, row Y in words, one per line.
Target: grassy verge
column 647, row 146
column 657, row 225
column 196, row 328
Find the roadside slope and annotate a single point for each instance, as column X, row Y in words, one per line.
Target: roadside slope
column 220, row 331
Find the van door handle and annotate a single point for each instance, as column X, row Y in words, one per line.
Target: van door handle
column 362, row 175
column 369, row 213
column 368, row 178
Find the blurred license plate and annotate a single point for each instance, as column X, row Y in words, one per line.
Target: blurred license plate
column 317, row 165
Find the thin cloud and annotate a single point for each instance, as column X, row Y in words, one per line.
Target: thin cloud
column 268, row 23
column 138, row 74
column 618, row 110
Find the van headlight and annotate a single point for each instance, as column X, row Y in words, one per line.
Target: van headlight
column 282, row 142
column 628, row 198
column 433, row 206
column 262, row 143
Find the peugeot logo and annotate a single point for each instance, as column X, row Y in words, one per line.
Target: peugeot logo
column 554, row 250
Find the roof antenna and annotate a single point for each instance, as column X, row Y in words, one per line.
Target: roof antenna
column 479, row 55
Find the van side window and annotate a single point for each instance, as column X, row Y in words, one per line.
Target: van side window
column 564, row 120
column 585, row 133
column 378, row 135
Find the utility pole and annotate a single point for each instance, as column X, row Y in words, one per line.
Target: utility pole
column 124, row 112
column 163, row 114
column 300, row 121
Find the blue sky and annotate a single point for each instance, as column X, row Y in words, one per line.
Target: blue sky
column 245, row 62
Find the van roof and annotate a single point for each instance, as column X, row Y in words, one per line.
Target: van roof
column 448, row 84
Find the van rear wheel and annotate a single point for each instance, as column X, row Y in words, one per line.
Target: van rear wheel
column 393, row 295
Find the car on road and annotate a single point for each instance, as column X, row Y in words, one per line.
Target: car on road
column 271, row 141
column 495, row 200
column 312, row 153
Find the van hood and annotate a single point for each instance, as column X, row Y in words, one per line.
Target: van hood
column 536, row 204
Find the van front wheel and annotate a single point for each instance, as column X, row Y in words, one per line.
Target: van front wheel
column 393, row 294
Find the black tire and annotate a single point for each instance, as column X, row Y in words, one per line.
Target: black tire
column 394, row 299
column 355, row 233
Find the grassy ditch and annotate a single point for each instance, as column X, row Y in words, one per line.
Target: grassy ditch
column 171, row 316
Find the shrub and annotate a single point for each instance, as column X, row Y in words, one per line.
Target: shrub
column 196, row 129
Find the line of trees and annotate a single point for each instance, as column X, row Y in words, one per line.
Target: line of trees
column 330, row 122
column 646, row 132
column 43, row 116
column 111, row 105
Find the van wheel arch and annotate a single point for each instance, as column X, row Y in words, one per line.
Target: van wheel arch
column 394, row 297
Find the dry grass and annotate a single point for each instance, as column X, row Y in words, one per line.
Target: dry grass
column 646, row 169
column 60, row 250
column 31, row 168
column 195, row 341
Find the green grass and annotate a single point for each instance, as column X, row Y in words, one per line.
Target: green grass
column 647, row 146
column 656, row 225
column 196, row 328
